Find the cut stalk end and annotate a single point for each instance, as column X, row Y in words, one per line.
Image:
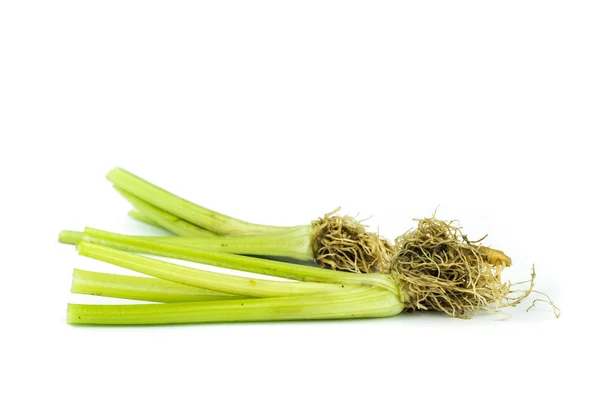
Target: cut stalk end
column 70, row 237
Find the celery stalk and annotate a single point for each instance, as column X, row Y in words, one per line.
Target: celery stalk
column 359, row 303
column 243, row 263
column 70, row 237
column 74, row 237
column 291, row 244
column 140, row 217
column 237, row 285
column 164, row 219
column 138, row 288
column 181, row 208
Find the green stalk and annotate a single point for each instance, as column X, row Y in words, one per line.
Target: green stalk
column 138, row 288
column 359, row 303
column 181, row 208
column 70, row 237
column 294, row 244
column 291, row 244
column 236, row 285
column 74, row 237
column 140, row 217
column 238, row 262
column 164, row 219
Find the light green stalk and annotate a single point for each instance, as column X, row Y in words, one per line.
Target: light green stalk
column 138, row 288
column 237, row 285
column 291, row 244
column 139, row 216
column 238, row 262
column 358, row 303
column 295, row 243
column 164, row 219
column 181, row 208
column 70, row 237
column 74, row 237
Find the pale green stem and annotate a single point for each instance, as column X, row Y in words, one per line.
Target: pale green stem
column 237, row 285
column 70, row 237
column 360, row 303
column 181, row 208
column 292, row 244
column 164, row 219
column 140, row 217
column 74, row 237
column 238, row 262
column 138, row 288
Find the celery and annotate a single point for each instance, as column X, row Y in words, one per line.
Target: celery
column 164, row 219
column 181, row 208
column 138, row 288
column 336, row 242
column 70, row 237
column 140, row 217
column 358, row 303
column 432, row 267
column 237, row 285
column 291, row 244
column 249, row 264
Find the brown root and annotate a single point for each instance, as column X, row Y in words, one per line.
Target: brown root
column 343, row 243
column 439, row 268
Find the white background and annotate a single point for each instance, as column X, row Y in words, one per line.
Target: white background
column 277, row 112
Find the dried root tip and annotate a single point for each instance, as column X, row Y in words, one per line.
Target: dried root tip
column 342, row 243
column 496, row 257
column 438, row 268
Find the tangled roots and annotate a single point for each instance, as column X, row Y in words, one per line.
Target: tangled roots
column 438, row 268
column 342, row 243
